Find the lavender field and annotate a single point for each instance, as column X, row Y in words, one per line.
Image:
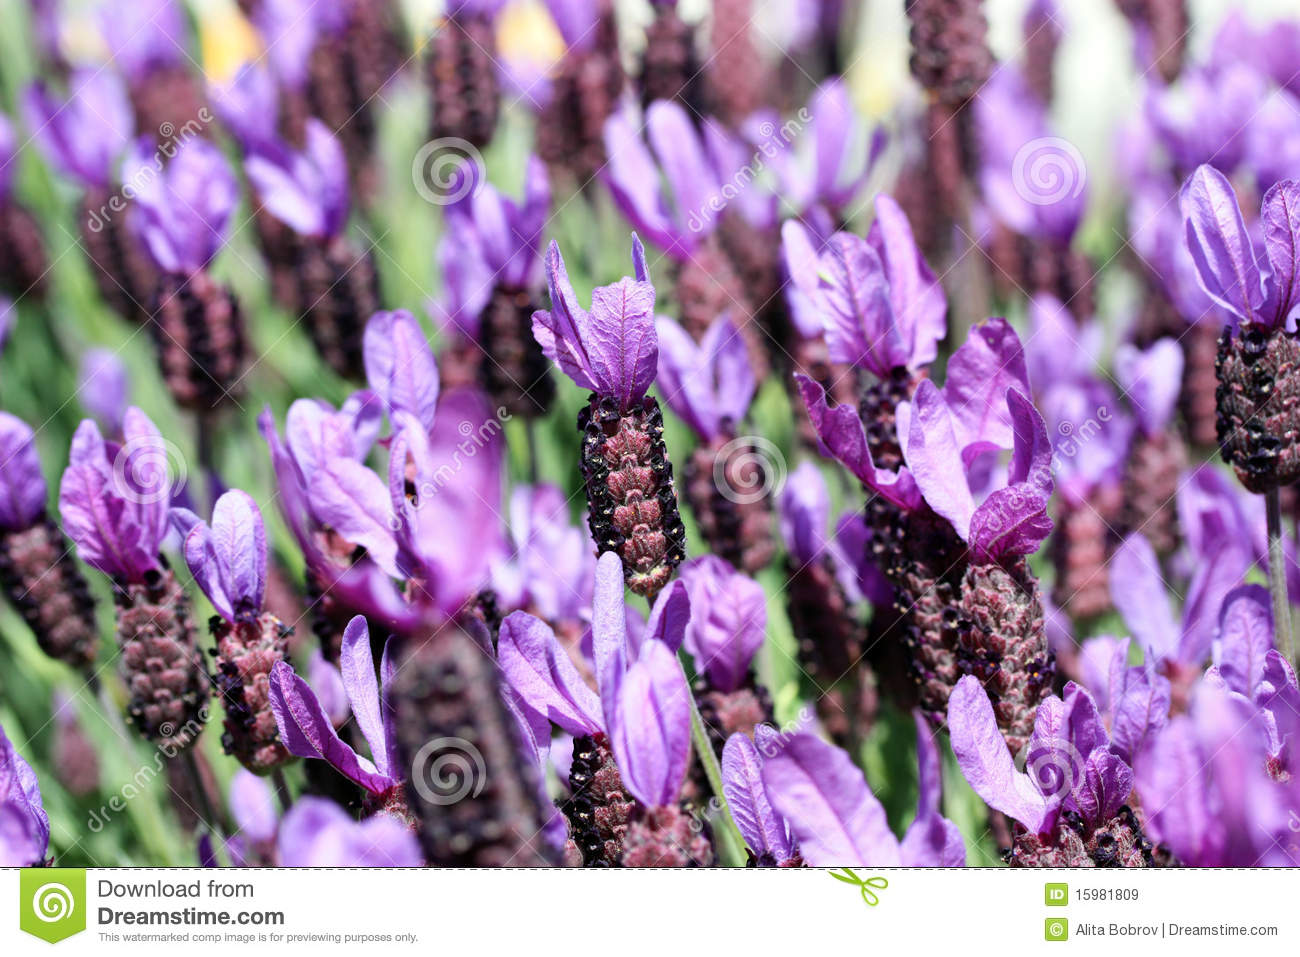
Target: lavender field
column 769, row 433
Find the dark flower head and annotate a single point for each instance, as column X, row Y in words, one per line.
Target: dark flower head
column 84, row 136
column 115, row 499
column 185, row 208
column 1227, row 264
column 24, row 826
column 307, row 190
column 22, row 486
column 228, row 559
column 612, row 350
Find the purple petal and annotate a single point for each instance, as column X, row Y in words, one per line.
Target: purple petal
column 934, row 458
column 357, row 666
column 1281, row 219
column 728, row 620
column 1220, row 244
column 805, row 512
column 1245, row 638
column 1140, row 597
column 985, row 762
column 1139, row 708
column 327, row 682
column 307, row 732
column 918, row 302
column 87, row 134
column 319, row 833
column 22, row 486
column 929, row 785
column 649, row 727
column 669, row 617
column 239, row 545
column 609, row 628
column 1107, row 783
column 622, row 342
column 990, row 362
column 832, row 813
column 684, row 381
column 400, row 365
column 1153, row 380
column 103, row 388
column 742, row 785
column 543, row 675
column 354, row 501
column 677, row 144
column 252, row 805
column 635, row 183
column 856, row 308
column 933, row 841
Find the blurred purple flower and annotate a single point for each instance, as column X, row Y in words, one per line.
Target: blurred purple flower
column 764, row 830
column 306, row 190
column 728, row 620
column 84, row 135
column 24, row 825
column 228, row 560
column 22, row 485
column 710, row 384
column 104, row 389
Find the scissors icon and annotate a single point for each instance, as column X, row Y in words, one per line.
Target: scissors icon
column 864, row 884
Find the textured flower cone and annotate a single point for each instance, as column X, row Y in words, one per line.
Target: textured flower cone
column 124, row 274
column 184, row 796
column 727, row 484
column 1006, row 255
column 584, row 92
column 41, row 578
column 377, row 45
column 161, row 666
column 513, row 370
column 950, row 52
column 1198, row 400
column 1151, row 487
column 1081, row 546
column 338, row 292
column 1120, row 842
column 169, row 103
column 737, row 75
column 925, row 561
column 474, row 794
column 829, row 639
column 1065, row 273
column 198, row 330
column 670, row 67
column 725, row 713
column 1259, row 406
column 1169, row 26
column 1041, row 43
column 75, row 760
column 334, row 93
column 23, row 260
column 706, row 286
column 245, row 654
column 878, row 407
column 459, row 363
column 1003, row 642
column 599, row 807
column 630, row 496
column 914, row 191
column 951, row 156
column 461, row 74
column 329, row 617
column 666, row 837
column 848, row 712
column 1159, row 318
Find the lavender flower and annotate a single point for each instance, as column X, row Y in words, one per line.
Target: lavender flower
column 196, row 323
column 25, row 836
column 228, row 560
column 835, row 818
column 1255, row 356
column 632, row 738
column 710, row 386
column 766, row 833
column 670, row 65
column 103, row 388
column 115, row 503
column 1070, row 803
column 337, row 285
column 491, row 262
column 613, row 351
column 37, row 571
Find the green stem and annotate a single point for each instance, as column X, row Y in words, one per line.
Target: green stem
column 729, row 842
column 1277, row 574
column 282, row 792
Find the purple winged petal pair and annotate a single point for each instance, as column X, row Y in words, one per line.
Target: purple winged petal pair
column 710, row 384
column 228, row 559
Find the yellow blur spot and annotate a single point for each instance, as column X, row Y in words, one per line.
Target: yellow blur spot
column 226, row 41
column 527, row 37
